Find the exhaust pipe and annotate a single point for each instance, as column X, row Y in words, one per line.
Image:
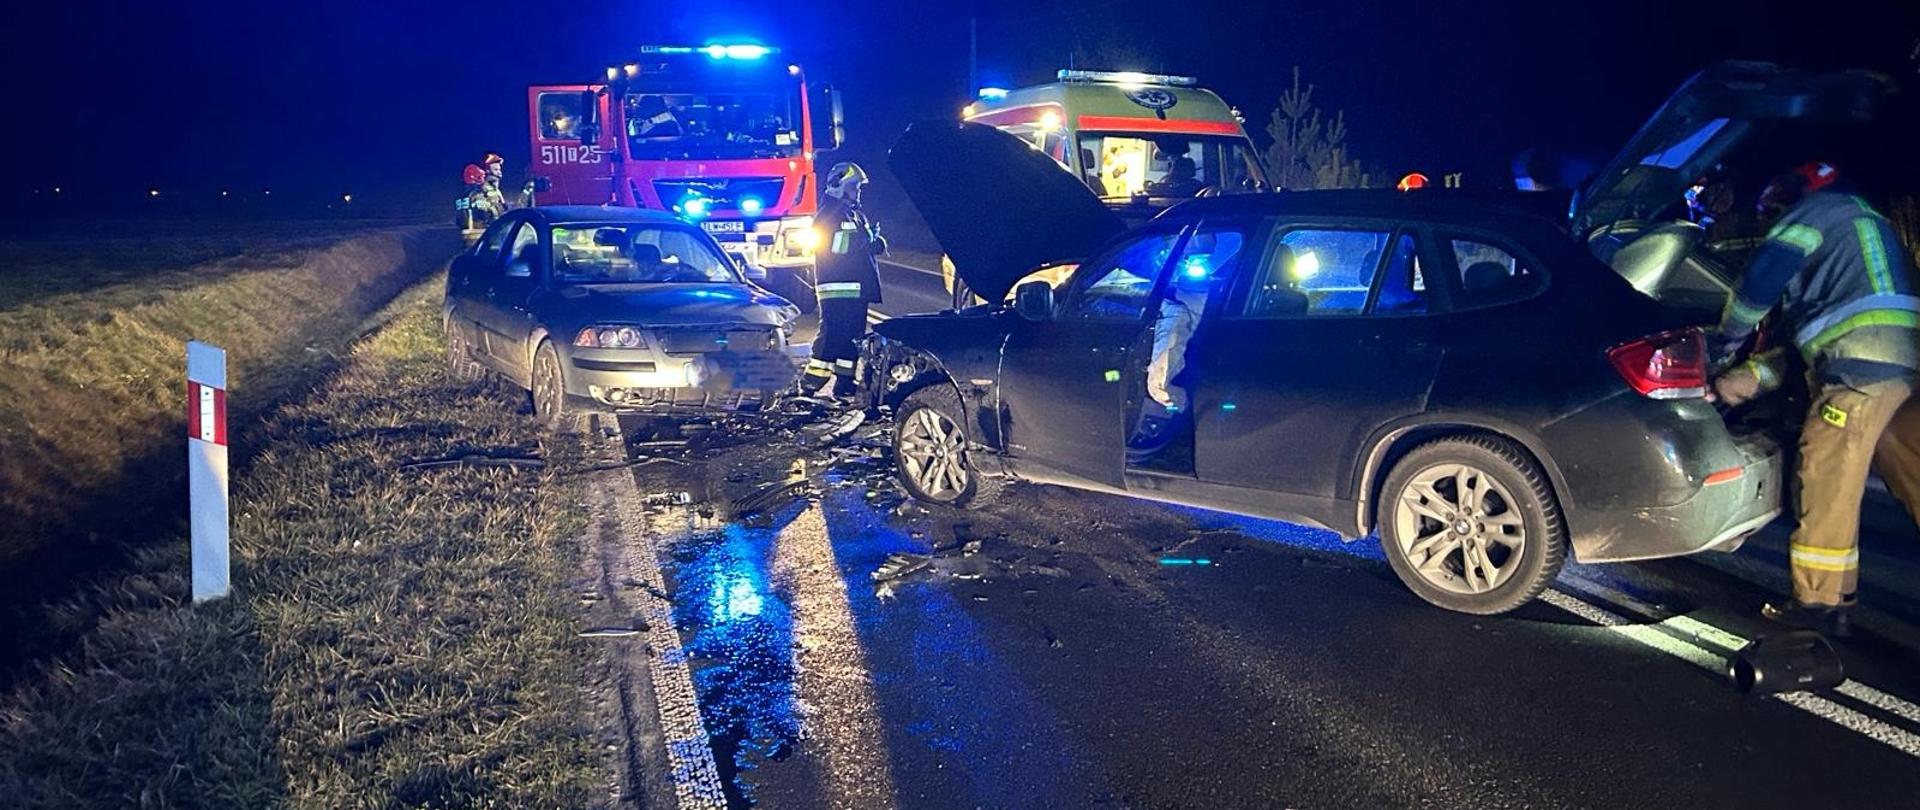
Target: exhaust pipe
column 1796, row 661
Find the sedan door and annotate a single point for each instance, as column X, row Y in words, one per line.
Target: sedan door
column 505, row 319
column 1062, row 380
column 1325, row 341
column 468, row 279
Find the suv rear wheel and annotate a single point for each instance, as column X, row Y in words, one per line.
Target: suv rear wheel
column 931, row 451
column 1471, row 525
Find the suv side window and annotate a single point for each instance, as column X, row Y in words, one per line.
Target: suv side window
column 1403, row 287
column 1118, row 286
column 1317, row 271
column 1491, row 275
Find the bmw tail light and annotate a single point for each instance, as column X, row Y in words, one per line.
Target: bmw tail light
column 1669, row 365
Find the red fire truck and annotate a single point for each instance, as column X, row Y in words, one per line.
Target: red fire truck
column 723, row 134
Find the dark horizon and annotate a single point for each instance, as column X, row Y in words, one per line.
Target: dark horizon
column 318, row 101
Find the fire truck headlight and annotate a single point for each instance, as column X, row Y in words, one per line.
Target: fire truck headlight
column 751, row 206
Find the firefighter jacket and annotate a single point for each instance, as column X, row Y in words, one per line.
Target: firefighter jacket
column 1845, row 289
column 848, row 243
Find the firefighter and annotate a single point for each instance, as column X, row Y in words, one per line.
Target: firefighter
column 847, row 279
column 1843, row 288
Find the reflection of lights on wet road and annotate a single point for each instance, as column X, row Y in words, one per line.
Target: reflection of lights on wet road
column 734, row 598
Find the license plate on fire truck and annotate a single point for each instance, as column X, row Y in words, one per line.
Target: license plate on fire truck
column 724, row 226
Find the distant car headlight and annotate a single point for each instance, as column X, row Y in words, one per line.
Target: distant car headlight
column 610, row 337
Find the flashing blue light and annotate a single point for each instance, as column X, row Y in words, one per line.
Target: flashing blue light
column 1194, row 269
column 1228, row 406
column 751, row 206
column 992, row 93
column 693, row 206
column 745, row 52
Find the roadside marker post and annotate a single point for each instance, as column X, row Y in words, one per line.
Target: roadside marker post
column 207, row 468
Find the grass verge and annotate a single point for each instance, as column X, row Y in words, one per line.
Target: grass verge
column 92, row 395
column 397, row 637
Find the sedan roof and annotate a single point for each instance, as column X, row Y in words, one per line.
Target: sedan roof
column 1474, row 209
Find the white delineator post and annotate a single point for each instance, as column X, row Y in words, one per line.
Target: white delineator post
column 207, row 467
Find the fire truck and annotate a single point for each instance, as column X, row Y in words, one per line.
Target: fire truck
column 723, row 134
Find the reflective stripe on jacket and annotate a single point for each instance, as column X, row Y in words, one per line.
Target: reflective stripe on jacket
column 1843, row 284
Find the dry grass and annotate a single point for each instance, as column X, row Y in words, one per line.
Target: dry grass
column 398, row 638
column 92, row 391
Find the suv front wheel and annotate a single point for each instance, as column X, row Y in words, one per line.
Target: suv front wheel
column 932, row 453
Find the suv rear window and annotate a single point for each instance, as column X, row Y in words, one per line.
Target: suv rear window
column 1490, row 275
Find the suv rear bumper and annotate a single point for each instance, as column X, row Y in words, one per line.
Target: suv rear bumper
column 1718, row 517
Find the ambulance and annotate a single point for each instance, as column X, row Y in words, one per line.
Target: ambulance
column 1140, row 141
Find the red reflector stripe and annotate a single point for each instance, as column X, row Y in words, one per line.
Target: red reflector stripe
column 1723, row 476
column 1128, row 123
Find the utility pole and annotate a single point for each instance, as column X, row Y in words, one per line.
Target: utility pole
column 973, row 56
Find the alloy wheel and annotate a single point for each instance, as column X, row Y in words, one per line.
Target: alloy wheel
column 1459, row 529
column 547, row 389
column 933, row 454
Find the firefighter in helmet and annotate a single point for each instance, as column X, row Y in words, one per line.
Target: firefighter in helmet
column 847, row 278
column 1842, row 293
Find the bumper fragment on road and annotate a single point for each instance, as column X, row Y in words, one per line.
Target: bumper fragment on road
column 1690, row 640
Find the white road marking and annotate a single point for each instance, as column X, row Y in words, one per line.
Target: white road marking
column 1651, row 635
column 696, row 777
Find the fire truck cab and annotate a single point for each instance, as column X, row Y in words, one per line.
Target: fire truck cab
column 723, row 135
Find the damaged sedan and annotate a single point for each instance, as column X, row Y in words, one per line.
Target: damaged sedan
column 1456, row 374
column 614, row 310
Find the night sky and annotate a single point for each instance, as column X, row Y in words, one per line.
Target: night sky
column 388, row 100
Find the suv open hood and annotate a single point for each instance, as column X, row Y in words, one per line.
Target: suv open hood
column 999, row 208
column 1703, row 121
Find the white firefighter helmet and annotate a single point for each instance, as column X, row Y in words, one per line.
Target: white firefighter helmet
column 842, row 179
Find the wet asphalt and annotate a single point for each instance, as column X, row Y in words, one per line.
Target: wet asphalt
column 1047, row 655
column 1068, row 649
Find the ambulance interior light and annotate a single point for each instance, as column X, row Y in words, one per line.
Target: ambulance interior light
column 1126, row 77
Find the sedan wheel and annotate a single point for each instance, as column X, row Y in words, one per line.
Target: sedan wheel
column 460, row 362
column 1470, row 524
column 549, row 390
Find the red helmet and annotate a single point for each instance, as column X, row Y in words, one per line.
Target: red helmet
column 492, row 158
column 1818, row 175
column 474, row 175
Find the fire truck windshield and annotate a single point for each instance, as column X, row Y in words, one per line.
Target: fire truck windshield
column 674, row 124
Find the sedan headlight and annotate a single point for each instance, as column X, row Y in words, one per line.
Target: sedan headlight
column 610, row 337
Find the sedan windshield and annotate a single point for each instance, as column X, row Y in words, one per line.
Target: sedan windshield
column 636, row 254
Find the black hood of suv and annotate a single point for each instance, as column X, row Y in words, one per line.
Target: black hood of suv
column 999, row 207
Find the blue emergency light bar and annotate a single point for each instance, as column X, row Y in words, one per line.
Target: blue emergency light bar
column 1126, row 77
column 742, row 51
column 992, row 93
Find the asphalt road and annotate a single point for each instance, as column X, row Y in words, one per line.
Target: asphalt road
column 1065, row 649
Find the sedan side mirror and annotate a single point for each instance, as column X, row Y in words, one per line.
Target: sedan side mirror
column 1034, row 301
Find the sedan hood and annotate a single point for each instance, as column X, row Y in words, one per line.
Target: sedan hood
column 1711, row 114
column 999, row 207
column 668, row 304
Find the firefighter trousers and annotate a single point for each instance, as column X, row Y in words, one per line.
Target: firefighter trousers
column 1839, row 445
column 836, row 349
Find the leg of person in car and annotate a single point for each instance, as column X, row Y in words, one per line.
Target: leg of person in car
column 1837, row 443
column 1897, row 457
